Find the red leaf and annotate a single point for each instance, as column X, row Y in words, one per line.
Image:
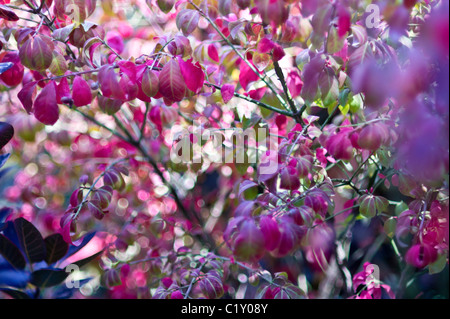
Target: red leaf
column 171, row 82
column 45, row 106
column 7, row 14
column 26, row 95
column 81, row 92
column 193, row 75
column 14, row 75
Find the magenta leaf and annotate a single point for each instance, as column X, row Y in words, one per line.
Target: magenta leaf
column 213, row 53
column 63, row 91
column 227, row 92
column 193, row 75
column 265, row 45
column 45, row 106
column 81, row 92
column 247, row 75
column 26, row 95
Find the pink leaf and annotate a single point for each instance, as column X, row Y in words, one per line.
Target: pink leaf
column 213, row 53
column 81, row 92
column 227, row 92
column 115, row 41
column 265, row 45
column 344, row 21
column 193, row 75
column 45, row 106
column 278, row 53
column 294, row 83
column 257, row 94
column 247, row 75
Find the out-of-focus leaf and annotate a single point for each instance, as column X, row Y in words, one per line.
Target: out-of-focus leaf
column 438, row 265
column 245, row 185
column 3, row 159
column 14, row 278
column 390, row 227
column 5, row 66
column 5, row 211
column 334, row 42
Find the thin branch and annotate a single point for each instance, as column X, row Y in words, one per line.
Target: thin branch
column 251, row 66
column 259, row 103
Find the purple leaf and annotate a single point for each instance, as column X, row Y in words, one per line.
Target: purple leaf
column 26, row 95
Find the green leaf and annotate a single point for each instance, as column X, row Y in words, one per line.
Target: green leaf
column 390, row 226
column 11, row 253
column 438, row 265
column 30, row 239
column 355, row 103
column 367, row 207
column 48, row 277
column 344, row 109
column 344, row 97
column 381, row 203
column 400, row 208
column 334, row 42
column 56, row 248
